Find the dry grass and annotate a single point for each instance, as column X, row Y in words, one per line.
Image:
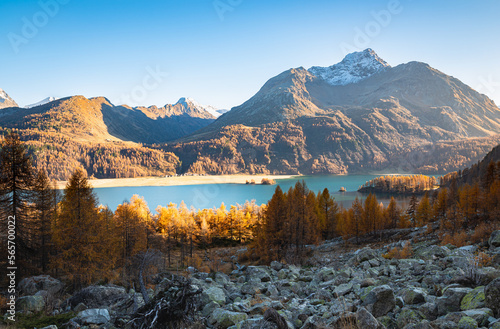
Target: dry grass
column 400, row 253
column 482, row 232
column 458, row 239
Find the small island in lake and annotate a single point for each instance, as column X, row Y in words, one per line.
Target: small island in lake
column 401, row 184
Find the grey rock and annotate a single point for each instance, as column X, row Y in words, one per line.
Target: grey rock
column 94, row 316
column 257, row 273
column 467, row 323
column 413, row 296
column 343, row 289
column 366, row 320
column 451, row 299
column 276, row 265
column 473, row 300
column 408, row 316
column 492, row 296
column 31, row 285
column 429, row 310
column 380, row 300
column 432, row 252
column 365, row 254
column 314, row 322
column 252, row 288
column 99, row 296
column 340, row 306
column 224, row 319
column 213, row 294
column 209, row 308
column 494, row 240
column 30, row 304
column 481, row 316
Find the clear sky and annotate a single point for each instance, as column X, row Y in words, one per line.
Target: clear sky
column 152, row 52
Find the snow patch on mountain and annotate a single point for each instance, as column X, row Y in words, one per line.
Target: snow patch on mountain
column 5, row 100
column 354, row 68
column 186, row 101
column 42, row 102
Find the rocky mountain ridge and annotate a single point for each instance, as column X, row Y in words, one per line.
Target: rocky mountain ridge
column 97, row 119
column 5, row 100
column 310, row 124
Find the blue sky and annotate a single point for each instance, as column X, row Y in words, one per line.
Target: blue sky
column 221, row 52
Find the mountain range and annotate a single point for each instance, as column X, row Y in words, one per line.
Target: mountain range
column 356, row 116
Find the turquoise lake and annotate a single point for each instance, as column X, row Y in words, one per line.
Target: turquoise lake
column 212, row 195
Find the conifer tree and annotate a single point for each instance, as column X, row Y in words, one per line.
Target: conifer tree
column 45, row 196
column 16, row 185
column 327, row 214
column 275, row 226
column 77, row 233
column 393, row 213
column 423, row 213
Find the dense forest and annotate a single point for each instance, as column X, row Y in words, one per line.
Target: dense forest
column 59, row 156
column 398, row 184
column 69, row 235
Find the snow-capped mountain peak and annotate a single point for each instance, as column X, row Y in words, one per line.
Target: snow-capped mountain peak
column 354, row 67
column 186, row 101
column 42, row 102
column 5, row 100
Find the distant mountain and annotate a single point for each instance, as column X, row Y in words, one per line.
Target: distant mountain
column 358, row 115
column 6, row 101
column 97, row 119
column 42, row 102
column 191, row 103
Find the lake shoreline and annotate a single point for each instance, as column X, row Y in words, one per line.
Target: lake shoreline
column 178, row 180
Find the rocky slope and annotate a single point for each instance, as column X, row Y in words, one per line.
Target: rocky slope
column 6, row 101
column 437, row 287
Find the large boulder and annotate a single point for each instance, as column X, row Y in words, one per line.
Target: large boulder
column 258, row 273
column 252, row 288
column 31, row 285
column 408, row 316
column 492, row 296
column 451, row 299
column 224, row 319
column 99, row 296
column 467, row 323
column 432, row 252
column 413, row 296
column 366, row 320
column 94, row 316
column 481, row 315
column 30, row 304
column 473, row 300
column 364, row 255
column 494, row 240
column 380, row 301
column 213, row 294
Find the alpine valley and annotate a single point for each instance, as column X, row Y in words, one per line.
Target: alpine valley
column 360, row 115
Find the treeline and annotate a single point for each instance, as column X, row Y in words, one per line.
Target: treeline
column 59, row 156
column 400, row 184
column 482, row 172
